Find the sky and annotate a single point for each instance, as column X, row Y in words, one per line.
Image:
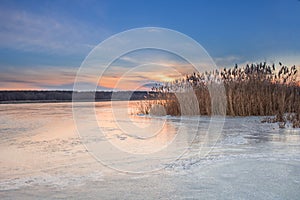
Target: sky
column 44, row 43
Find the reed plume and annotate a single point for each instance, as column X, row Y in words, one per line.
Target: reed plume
column 253, row 90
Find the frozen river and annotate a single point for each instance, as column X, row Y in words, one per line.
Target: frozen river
column 48, row 152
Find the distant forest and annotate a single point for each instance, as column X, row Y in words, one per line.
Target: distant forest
column 66, row 96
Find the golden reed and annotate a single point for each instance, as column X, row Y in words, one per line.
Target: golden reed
column 253, row 90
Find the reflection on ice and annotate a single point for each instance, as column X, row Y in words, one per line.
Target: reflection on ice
column 43, row 156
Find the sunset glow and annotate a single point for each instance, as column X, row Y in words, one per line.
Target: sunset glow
column 43, row 49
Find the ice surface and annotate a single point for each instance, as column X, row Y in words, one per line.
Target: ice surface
column 43, row 157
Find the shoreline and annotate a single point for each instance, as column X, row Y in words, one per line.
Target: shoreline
column 61, row 101
column 35, row 96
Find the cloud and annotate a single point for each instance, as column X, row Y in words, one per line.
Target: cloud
column 28, row 31
column 228, row 61
column 138, row 77
column 54, row 77
column 36, row 78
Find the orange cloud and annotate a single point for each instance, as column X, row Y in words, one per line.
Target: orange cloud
column 25, row 79
column 139, row 76
column 115, row 77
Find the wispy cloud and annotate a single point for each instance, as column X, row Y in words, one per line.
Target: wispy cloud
column 137, row 77
column 38, row 32
column 228, row 61
column 118, row 77
column 36, row 78
column 53, row 77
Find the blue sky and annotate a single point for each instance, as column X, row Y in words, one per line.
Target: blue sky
column 42, row 43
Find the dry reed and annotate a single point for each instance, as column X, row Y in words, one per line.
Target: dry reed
column 253, row 90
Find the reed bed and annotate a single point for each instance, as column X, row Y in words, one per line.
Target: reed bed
column 253, row 90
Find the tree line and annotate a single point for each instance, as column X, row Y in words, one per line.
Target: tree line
column 67, row 96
